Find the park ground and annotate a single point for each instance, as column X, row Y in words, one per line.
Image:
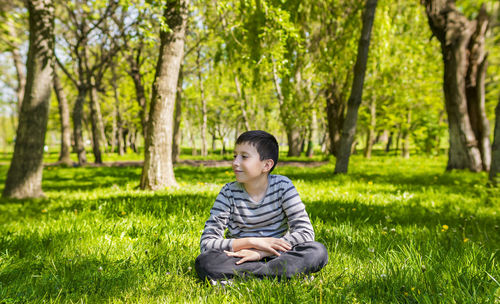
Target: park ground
column 397, row 231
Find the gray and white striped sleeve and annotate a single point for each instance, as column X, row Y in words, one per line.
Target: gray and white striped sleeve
column 300, row 229
column 213, row 234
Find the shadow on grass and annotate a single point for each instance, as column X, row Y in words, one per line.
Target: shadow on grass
column 38, row 272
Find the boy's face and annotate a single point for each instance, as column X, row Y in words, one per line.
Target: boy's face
column 247, row 165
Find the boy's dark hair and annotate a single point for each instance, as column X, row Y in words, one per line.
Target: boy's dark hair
column 265, row 143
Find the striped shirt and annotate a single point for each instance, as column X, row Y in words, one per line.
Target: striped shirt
column 280, row 214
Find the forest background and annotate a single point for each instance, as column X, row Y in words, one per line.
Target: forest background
column 426, row 100
column 234, row 52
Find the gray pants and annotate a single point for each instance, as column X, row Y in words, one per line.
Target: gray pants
column 303, row 258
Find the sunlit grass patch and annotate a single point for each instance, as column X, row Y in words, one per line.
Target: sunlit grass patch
column 396, row 230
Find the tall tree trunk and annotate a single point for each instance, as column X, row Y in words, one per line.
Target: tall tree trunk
column 475, row 87
column 95, row 113
column 349, row 127
column 312, row 134
column 294, row 141
column 176, row 148
column 24, row 178
column 120, row 147
column 389, row 142
column 335, row 108
column 158, row 170
column 78, row 125
column 495, row 149
column 370, row 138
column 116, row 109
column 462, row 46
column 64, row 154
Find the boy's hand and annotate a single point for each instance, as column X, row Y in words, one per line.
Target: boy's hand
column 246, row 255
column 271, row 245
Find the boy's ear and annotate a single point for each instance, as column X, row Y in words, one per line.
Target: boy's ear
column 269, row 163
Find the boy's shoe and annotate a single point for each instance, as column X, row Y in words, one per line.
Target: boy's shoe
column 222, row 283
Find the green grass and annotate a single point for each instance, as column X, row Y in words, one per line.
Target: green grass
column 397, row 231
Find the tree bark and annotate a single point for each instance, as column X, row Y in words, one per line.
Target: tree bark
column 78, row 125
column 96, row 123
column 176, row 148
column 312, row 134
column 24, row 178
column 349, row 127
column 158, row 171
column 294, row 141
column 462, row 46
column 495, row 149
column 64, row 154
column 475, row 87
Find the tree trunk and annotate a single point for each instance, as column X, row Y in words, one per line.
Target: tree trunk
column 312, row 134
column 176, row 148
column 294, row 141
column 475, row 88
column 370, row 138
column 64, row 154
column 462, row 46
column 495, row 149
column 349, row 127
column 95, row 113
column 335, row 108
column 116, row 110
column 24, row 178
column 158, row 170
column 78, row 125
column 389, row 142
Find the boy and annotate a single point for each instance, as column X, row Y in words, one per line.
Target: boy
column 269, row 231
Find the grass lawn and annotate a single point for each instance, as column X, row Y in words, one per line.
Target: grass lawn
column 397, row 231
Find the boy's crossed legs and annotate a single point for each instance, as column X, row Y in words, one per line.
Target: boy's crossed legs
column 303, row 258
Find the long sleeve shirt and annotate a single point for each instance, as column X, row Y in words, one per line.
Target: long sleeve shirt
column 280, row 214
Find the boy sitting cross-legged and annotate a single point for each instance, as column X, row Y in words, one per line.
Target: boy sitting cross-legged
column 269, row 232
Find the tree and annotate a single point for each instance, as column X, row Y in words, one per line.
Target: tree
column 24, row 178
column 158, row 170
column 349, row 127
column 64, row 154
column 465, row 61
column 91, row 42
